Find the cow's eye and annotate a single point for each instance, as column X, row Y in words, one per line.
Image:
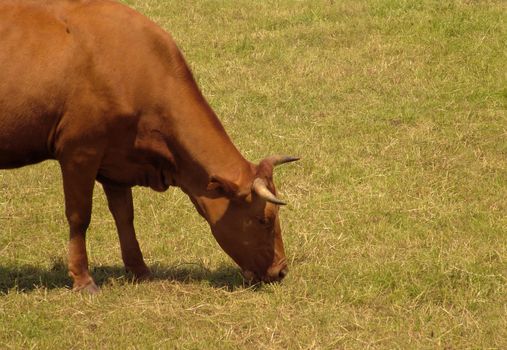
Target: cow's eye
column 264, row 221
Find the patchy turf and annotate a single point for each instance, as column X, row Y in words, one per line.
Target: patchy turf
column 396, row 232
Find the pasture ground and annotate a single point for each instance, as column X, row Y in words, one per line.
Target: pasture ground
column 396, row 232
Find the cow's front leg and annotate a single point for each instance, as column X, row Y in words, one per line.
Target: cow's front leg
column 78, row 180
column 121, row 206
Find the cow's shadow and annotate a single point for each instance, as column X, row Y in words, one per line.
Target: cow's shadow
column 26, row 278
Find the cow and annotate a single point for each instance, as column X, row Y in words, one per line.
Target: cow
column 104, row 91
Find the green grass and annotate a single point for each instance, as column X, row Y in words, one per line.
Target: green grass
column 396, row 232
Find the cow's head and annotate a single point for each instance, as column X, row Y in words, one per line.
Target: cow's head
column 243, row 215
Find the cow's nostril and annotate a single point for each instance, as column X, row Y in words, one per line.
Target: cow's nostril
column 283, row 272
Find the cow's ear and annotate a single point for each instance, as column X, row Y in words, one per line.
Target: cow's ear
column 219, row 183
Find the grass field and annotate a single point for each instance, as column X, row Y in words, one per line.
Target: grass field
column 396, row 232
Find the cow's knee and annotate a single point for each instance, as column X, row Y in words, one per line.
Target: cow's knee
column 78, row 222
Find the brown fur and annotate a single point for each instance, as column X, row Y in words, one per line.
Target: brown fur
column 117, row 103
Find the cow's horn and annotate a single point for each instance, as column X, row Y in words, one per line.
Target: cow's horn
column 279, row 159
column 259, row 187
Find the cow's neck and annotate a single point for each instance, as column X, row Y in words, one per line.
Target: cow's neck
column 202, row 147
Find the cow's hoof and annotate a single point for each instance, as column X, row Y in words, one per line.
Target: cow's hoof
column 142, row 274
column 89, row 288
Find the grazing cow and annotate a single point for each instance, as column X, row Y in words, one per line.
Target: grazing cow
column 107, row 93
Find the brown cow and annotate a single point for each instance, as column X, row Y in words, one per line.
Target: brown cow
column 106, row 92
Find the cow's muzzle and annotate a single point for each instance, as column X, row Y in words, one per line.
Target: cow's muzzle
column 274, row 274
